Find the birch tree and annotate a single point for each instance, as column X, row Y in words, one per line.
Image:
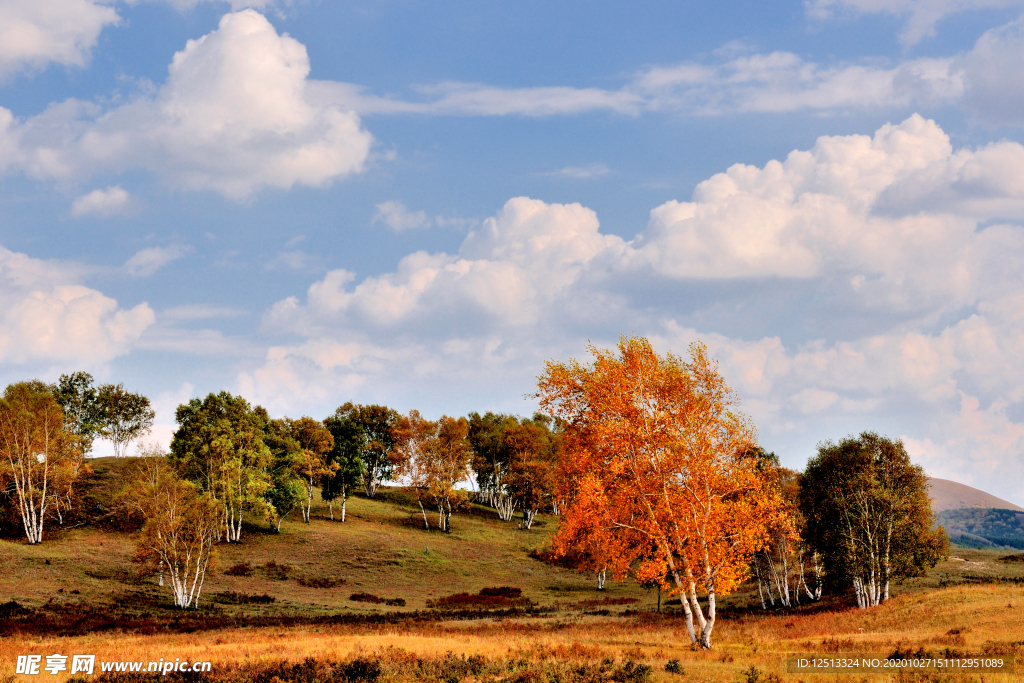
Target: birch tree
column 490, row 461
column 315, row 442
column 39, row 460
column 286, row 492
column 868, row 514
column 380, row 451
column 220, row 445
column 181, row 528
column 83, row 416
column 345, row 455
column 530, row 451
column 123, row 416
column 656, row 455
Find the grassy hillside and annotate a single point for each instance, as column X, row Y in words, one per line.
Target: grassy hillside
column 280, row 598
column 382, row 549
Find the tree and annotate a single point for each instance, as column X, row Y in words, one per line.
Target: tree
column 381, row 447
column 315, row 442
column 348, row 443
column 490, row 460
column 435, row 458
column 530, row 451
column 220, row 445
column 83, row 416
column 286, row 492
column 655, row 464
column 124, row 416
column 182, row 524
column 779, row 566
column 38, row 458
column 869, row 516
column 414, row 464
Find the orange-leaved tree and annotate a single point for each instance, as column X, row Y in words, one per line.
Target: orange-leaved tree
column 656, row 466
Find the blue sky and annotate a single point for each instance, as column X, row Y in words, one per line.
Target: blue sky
column 418, row 203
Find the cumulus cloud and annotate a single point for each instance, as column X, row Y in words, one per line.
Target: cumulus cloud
column 147, row 261
column 927, row 300
column 111, row 201
column 47, row 317
column 232, row 117
column 921, row 15
column 35, row 33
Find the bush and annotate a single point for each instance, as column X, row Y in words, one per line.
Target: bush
column 233, row 598
column 361, row 670
column 488, row 597
column 376, row 599
column 633, row 672
column 241, row 569
column 277, row 571
column 320, row 582
column 673, row 667
column 503, row 592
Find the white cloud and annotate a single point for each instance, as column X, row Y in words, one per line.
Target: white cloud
column 934, row 290
column 147, row 261
column 36, row 33
column 394, row 215
column 46, row 316
column 921, row 15
column 775, row 82
column 581, row 172
column 112, row 201
column 232, row 117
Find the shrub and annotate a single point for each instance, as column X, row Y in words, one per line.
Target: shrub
column 241, row 569
column 376, row 599
column 488, row 597
column 673, row 667
column 277, row 571
column 361, row 670
column 503, row 592
column 320, row 582
column 233, row 598
column 633, row 672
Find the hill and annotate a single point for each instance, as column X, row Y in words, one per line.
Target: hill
column 951, row 495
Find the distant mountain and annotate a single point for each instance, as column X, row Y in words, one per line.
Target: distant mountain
column 950, row 495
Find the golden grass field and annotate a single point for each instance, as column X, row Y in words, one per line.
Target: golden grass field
column 971, row 604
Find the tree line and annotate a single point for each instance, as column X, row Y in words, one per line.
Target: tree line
column 646, row 461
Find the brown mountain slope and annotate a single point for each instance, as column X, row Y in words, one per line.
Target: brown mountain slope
column 950, row 495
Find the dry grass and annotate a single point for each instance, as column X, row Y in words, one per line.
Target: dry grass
column 292, row 602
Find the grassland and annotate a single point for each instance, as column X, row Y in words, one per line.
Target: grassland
column 81, row 592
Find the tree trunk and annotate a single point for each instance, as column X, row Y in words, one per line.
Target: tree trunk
column 423, row 511
column 330, row 506
column 601, row 578
column 344, row 500
column 528, row 515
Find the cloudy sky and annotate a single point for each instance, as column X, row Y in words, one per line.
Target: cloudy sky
column 417, row 203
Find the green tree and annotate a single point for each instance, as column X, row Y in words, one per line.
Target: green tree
column 867, row 513
column 220, row 445
column 315, row 442
column 286, row 492
column 490, row 460
column 82, row 414
column 39, row 459
column 381, row 447
column 349, row 439
column 124, row 416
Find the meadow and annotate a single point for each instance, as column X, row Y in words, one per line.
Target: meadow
column 279, row 606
